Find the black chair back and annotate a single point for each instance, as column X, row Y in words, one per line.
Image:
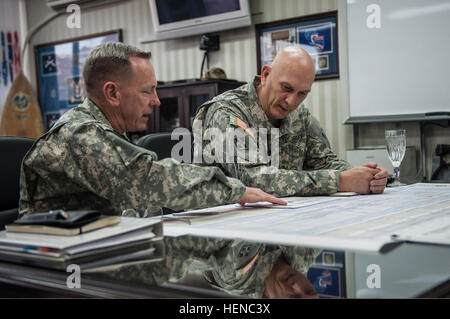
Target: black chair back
column 162, row 144
column 12, row 150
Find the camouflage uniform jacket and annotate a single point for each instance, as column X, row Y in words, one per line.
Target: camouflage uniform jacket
column 82, row 163
column 307, row 165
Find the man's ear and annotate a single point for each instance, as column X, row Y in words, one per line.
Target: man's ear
column 265, row 71
column 111, row 93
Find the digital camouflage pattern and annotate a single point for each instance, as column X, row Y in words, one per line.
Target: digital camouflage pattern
column 82, row 163
column 219, row 260
column 307, row 165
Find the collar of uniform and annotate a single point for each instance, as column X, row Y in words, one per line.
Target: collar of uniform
column 286, row 124
column 260, row 116
column 97, row 113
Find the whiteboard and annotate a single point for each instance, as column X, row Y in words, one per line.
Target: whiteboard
column 402, row 67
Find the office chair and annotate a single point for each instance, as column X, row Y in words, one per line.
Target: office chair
column 13, row 150
column 440, row 169
column 162, row 144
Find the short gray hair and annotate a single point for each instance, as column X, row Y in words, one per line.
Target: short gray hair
column 109, row 62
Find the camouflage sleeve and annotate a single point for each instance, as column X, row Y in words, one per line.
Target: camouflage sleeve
column 320, row 155
column 318, row 179
column 242, row 268
column 129, row 176
column 300, row 258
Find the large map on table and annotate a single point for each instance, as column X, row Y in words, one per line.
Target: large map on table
column 415, row 213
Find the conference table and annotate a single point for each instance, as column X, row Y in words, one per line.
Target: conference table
column 391, row 245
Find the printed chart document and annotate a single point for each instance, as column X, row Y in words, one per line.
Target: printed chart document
column 415, row 213
column 294, row 202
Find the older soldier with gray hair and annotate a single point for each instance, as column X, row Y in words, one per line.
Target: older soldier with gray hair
column 86, row 161
column 307, row 165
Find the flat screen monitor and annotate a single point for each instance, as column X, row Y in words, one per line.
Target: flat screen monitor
column 179, row 18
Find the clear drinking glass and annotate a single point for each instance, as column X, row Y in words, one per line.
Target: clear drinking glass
column 396, row 148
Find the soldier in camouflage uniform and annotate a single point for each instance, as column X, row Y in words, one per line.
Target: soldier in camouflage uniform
column 306, row 165
column 86, row 161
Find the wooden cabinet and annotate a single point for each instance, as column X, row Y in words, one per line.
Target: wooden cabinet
column 179, row 102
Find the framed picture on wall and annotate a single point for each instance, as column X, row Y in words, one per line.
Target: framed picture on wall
column 317, row 34
column 59, row 72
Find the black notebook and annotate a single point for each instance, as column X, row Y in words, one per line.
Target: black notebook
column 60, row 222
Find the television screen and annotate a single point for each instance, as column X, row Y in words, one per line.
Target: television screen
column 180, row 18
column 170, row 11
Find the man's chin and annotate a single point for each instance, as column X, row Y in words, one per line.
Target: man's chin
column 138, row 128
column 280, row 115
column 143, row 125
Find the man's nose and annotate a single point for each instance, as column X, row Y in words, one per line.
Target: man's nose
column 291, row 100
column 156, row 101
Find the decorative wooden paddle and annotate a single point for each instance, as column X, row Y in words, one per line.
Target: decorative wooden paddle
column 21, row 114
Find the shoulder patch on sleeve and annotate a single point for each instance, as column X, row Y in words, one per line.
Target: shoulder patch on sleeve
column 244, row 126
column 249, row 265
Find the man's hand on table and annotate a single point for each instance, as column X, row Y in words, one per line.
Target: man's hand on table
column 365, row 179
column 378, row 183
column 254, row 195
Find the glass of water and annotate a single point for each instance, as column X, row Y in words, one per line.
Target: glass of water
column 396, row 148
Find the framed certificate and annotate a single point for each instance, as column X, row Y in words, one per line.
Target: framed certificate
column 317, row 34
